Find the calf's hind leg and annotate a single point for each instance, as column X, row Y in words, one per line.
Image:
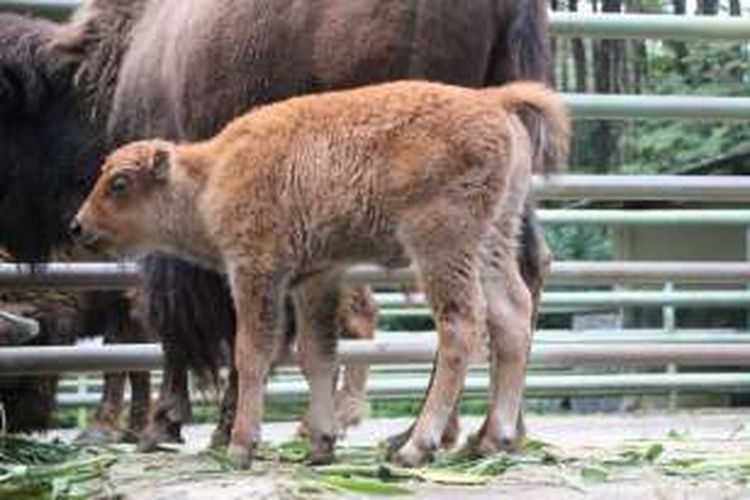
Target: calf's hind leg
column 510, row 307
column 448, row 267
column 534, row 258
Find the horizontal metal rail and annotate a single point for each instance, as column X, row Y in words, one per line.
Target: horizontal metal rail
column 608, row 336
column 536, row 385
column 723, row 189
column 637, row 107
column 101, row 276
column 656, row 26
column 128, row 357
column 656, row 217
column 595, row 272
column 691, row 298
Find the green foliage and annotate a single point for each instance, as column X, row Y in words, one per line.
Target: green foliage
column 712, row 68
column 571, row 242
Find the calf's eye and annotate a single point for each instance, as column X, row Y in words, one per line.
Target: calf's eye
column 118, row 186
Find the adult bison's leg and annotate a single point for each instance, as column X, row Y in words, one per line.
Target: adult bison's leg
column 534, row 260
column 105, row 426
column 172, row 408
column 191, row 311
column 140, row 404
column 534, row 256
column 316, row 305
column 227, row 412
column 107, row 313
column 258, row 300
column 140, row 382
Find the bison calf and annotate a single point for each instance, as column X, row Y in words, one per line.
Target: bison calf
column 290, row 195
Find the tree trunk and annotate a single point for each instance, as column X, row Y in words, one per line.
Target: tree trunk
column 636, row 54
column 553, row 47
column 679, row 48
column 609, row 73
column 735, row 9
column 708, row 7
column 579, row 56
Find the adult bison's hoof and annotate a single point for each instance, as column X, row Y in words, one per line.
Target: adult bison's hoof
column 411, row 455
column 241, row 457
column 131, row 436
column 96, row 434
column 322, row 450
column 220, row 438
column 155, row 434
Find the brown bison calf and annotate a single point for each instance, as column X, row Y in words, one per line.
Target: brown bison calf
column 290, row 195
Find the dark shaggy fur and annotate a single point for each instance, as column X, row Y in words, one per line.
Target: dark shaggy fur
column 191, row 66
column 47, row 150
column 49, row 153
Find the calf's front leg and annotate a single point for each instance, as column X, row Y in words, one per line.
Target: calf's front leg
column 316, row 302
column 258, row 301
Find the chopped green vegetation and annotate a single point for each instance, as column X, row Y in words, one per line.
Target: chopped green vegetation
column 364, row 470
column 33, row 470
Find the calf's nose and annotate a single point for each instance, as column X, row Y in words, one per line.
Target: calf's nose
column 75, row 230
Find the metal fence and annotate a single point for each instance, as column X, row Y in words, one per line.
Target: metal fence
column 553, row 348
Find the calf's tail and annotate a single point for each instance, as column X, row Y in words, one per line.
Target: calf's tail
column 545, row 117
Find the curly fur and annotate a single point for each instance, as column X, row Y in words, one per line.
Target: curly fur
column 232, row 57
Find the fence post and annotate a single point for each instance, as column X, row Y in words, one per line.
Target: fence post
column 81, row 390
column 669, row 325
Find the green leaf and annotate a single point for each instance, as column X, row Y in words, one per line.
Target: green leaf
column 363, row 485
column 653, row 452
column 594, row 474
column 456, row 478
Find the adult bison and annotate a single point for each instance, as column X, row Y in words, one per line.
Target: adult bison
column 180, row 69
column 48, row 157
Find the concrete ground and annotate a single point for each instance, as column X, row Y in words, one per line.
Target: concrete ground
column 580, row 442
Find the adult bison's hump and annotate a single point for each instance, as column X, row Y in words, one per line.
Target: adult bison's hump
column 193, row 66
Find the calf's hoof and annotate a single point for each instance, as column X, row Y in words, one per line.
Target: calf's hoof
column 350, row 411
column 447, row 441
column 486, row 443
column 322, row 450
column 411, row 455
column 241, row 457
column 396, row 442
column 450, row 435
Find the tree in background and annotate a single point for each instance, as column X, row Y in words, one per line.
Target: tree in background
column 649, row 67
column 653, row 67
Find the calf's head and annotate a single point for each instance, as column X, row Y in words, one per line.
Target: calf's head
column 123, row 209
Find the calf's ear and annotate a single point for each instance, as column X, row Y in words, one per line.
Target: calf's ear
column 160, row 164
